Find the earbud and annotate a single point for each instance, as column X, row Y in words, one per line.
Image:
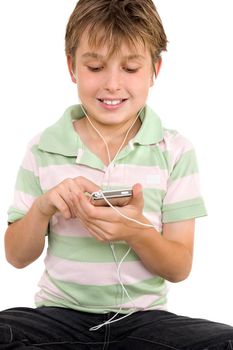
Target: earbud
column 74, row 76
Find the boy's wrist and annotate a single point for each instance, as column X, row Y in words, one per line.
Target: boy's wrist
column 40, row 210
column 138, row 232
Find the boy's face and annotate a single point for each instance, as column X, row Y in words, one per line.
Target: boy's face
column 112, row 89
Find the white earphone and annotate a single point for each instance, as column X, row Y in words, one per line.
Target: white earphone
column 74, row 75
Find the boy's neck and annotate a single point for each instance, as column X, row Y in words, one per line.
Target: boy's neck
column 114, row 137
column 113, row 133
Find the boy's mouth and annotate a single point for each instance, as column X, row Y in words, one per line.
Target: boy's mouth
column 112, row 102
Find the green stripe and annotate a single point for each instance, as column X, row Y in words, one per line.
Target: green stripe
column 27, row 182
column 102, row 298
column 186, row 165
column 15, row 214
column 145, row 156
column 87, row 249
column 184, row 210
column 153, row 199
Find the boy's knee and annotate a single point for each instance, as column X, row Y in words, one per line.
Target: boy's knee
column 6, row 334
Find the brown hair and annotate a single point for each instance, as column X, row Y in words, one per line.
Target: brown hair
column 111, row 21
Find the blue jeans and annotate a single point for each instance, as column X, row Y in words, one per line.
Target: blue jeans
column 60, row 329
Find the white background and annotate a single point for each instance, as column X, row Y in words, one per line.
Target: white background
column 192, row 94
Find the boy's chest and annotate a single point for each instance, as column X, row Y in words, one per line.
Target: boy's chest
column 127, row 171
column 116, row 175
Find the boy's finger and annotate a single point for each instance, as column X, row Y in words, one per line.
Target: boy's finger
column 61, row 206
column 137, row 199
column 83, row 206
column 86, row 185
column 90, row 211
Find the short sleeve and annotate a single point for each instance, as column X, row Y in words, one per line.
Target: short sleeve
column 27, row 187
column 183, row 200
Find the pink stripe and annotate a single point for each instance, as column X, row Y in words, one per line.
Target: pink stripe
column 29, row 162
column 85, row 273
column 119, row 175
column 23, row 201
column 155, row 219
column 49, row 289
column 70, row 228
column 182, row 189
column 62, row 172
column 35, row 140
column 73, row 227
column 127, row 175
column 177, row 145
column 177, row 142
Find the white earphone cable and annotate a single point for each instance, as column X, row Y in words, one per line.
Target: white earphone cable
column 124, row 216
column 124, row 290
column 103, row 139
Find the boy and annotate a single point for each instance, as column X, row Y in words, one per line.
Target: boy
column 106, row 266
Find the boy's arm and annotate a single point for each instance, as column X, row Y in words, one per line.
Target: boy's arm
column 168, row 255
column 25, row 238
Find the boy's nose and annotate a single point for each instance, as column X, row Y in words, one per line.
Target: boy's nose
column 113, row 81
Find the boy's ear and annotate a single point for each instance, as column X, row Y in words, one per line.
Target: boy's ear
column 157, row 67
column 70, row 67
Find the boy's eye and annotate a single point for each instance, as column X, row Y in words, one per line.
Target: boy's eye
column 131, row 70
column 95, row 69
column 99, row 68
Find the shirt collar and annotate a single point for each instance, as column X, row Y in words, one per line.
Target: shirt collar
column 151, row 131
column 61, row 138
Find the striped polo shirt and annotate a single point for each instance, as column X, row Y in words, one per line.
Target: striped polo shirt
column 81, row 272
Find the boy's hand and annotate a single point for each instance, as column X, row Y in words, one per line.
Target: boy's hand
column 61, row 197
column 105, row 223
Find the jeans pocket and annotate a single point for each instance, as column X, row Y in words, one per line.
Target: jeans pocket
column 6, row 335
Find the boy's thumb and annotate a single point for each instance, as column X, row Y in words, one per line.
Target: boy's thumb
column 137, row 198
